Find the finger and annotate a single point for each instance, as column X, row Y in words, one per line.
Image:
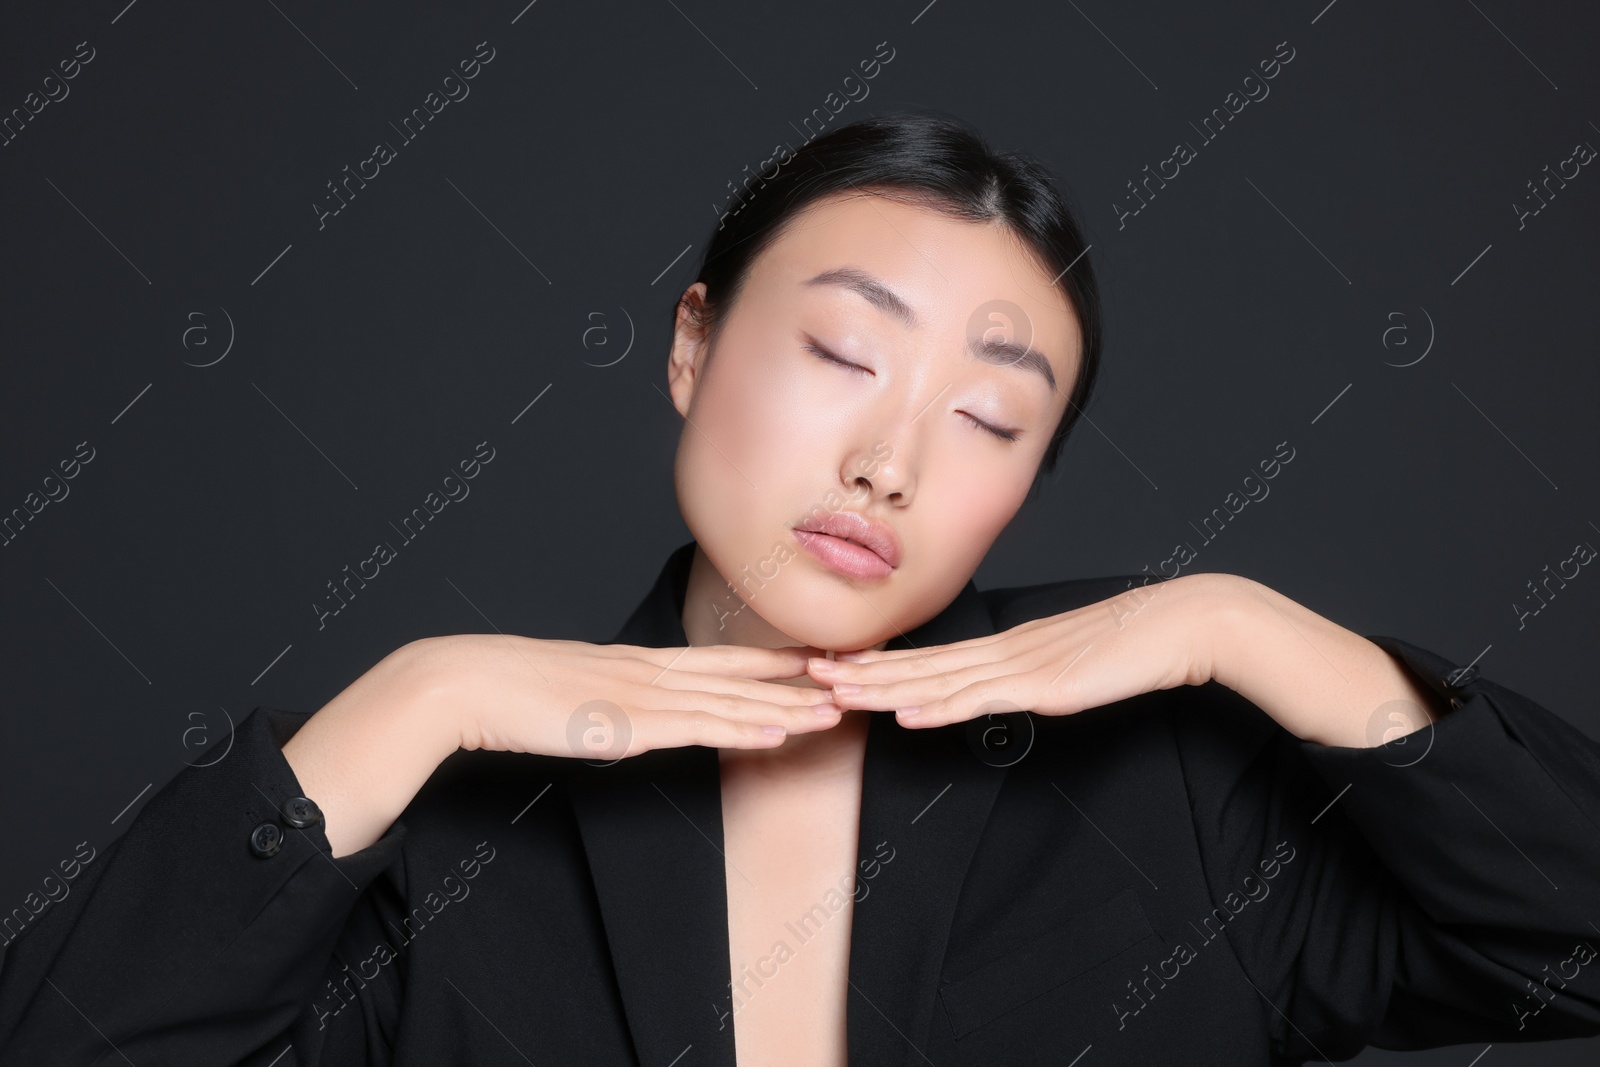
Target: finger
column 754, row 689
column 903, row 663
column 821, row 713
column 922, row 689
column 1030, row 627
column 742, row 661
column 1018, row 643
column 939, row 660
column 992, row 695
column 893, row 655
column 694, row 726
column 932, row 663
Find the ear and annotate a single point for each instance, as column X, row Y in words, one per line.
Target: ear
column 687, row 358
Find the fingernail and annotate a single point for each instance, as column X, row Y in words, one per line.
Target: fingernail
column 912, row 710
column 771, row 729
column 845, row 689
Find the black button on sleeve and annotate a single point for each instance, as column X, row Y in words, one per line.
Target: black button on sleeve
column 266, row 839
column 301, row 812
column 1456, row 680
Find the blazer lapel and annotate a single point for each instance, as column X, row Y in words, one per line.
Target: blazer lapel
column 925, row 798
column 652, row 830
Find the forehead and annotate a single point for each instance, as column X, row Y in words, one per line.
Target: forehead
column 959, row 278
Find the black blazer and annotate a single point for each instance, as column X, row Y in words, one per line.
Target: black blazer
column 1171, row 878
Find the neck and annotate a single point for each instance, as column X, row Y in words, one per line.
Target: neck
column 713, row 614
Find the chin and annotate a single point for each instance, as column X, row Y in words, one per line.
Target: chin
column 826, row 622
column 834, row 640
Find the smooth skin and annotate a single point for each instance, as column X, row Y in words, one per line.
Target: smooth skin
column 1318, row 680
column 366, row 753
column 857, row 393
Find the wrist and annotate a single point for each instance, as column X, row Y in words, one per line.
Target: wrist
column 367, row 752
column 1221, row 611
column 1318, row 680
column 414, row 696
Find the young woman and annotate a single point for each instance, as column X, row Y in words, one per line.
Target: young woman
column 821, row 798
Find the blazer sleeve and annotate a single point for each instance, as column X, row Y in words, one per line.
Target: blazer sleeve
column 182, row 944
column 1440, row 888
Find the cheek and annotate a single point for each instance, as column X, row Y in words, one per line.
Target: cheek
column 962, row 509
column 743, row 456
column 970, row 519
column 976, row 487
column 762, row 412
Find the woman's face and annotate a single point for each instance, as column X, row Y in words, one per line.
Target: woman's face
column 919, row 436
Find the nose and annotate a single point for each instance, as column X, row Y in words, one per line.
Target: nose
column 890, row 431
column 882, row 470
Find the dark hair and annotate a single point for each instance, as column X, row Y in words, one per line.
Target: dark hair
column 925, row 157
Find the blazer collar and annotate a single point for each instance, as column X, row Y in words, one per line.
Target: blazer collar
column 652, row 831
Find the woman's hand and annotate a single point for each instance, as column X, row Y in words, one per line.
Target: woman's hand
column 1318, row 680
column 367, row 752
column 573, row 698
column 1154, row 637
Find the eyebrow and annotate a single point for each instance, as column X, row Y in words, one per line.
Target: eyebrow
column 880, row 296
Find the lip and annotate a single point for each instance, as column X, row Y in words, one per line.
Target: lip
column 851, row 543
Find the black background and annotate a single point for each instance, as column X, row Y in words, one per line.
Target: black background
column 541, row 227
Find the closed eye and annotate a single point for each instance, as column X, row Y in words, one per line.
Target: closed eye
column 1001, row 433
column 1004, row 435
column 831, row 358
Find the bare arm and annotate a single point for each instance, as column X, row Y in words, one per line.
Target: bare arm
column 205, row 931
column 367, row 752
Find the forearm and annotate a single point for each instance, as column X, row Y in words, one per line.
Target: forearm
column 367, row 752
column 1320, row 681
